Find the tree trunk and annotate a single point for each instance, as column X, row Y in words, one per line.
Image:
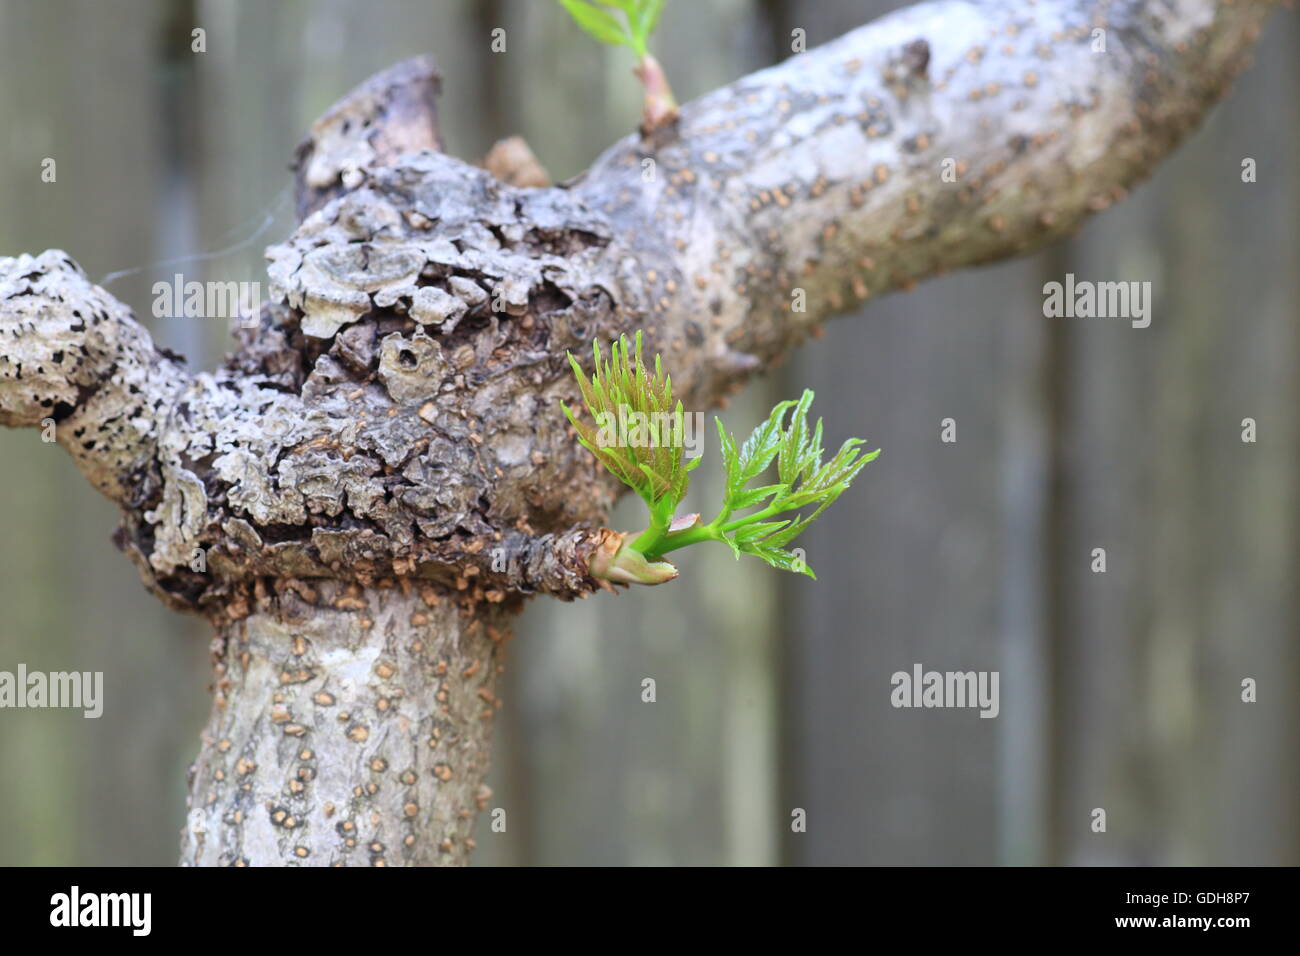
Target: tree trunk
column 350, row 727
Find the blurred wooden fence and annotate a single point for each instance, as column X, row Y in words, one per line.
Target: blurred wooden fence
column 1118, row 690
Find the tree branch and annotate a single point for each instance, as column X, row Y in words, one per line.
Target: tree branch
column 74, row 357
column 825, row 174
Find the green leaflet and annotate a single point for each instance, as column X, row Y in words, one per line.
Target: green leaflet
column 777, row 512
column 621, row 389
column 804, row 482
column 626, row 23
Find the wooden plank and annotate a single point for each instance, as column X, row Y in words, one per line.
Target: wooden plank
column 74, row 78
column 1201, row 543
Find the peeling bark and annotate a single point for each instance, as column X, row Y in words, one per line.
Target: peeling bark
column 392, row 425
column 387, row 116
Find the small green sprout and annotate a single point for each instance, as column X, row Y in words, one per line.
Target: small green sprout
column 629, row 23
column 622, row 390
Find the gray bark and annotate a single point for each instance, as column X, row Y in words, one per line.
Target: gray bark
column 350, row 727
column 391, row 428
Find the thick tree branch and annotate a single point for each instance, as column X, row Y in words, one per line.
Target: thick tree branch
column 825, row 176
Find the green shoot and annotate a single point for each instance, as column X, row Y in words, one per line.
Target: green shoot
column 629, row 23
column 632, row 29
column 621, row 390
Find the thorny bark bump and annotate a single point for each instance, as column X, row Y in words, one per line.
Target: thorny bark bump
column 392, row 428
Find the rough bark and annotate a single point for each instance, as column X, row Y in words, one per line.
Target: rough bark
column 387, row 116
column 393, row 422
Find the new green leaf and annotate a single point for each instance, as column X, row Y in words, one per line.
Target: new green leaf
column 629, row 23
column 598, row 23
column 621, row 391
